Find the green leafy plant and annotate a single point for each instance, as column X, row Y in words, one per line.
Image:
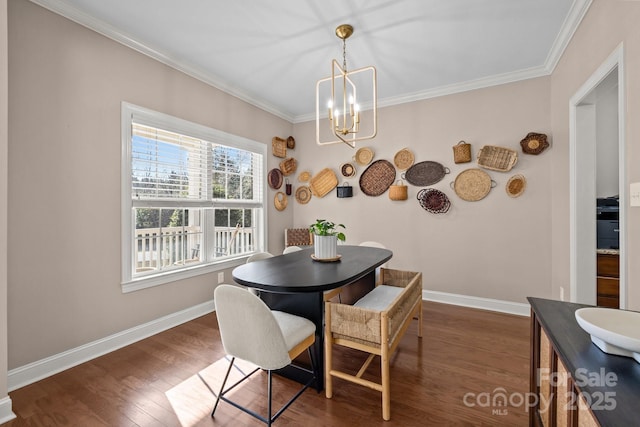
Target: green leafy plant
column 322, row 227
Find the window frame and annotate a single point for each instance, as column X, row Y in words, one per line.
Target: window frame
column 131, row 113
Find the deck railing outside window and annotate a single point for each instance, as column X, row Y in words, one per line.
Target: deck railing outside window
column 167, row 247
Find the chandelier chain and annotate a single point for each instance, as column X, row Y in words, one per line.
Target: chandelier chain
column 344, row 54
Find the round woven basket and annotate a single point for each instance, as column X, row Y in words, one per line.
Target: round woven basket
column 347, row 170
column 516, row 185
column 377, row 178
column 363, row 156
column 304, row 176
column 472, row 184
column 280, row 201
column 434, row 201
column 303, row 194
column 403, row 159
column 275, row 178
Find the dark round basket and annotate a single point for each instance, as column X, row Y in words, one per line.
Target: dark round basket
column 434, row 201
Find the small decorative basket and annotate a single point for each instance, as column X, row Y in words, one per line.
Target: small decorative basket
column 279, row 147
column 496, row 158
column 462, row 152
column 323, row 182
column 288, row 166
column 534, row 143
column 398, row 191
column 403, row 159
column 344, row 190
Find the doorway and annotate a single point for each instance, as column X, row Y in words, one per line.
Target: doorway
column 597, row 169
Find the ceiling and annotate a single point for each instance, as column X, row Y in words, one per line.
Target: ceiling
column 271, row 53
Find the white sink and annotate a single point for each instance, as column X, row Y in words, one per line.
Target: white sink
column 613, row 331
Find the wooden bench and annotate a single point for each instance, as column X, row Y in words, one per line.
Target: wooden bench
column 374, row 324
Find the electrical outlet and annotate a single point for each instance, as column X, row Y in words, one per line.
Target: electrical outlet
column 634, row 194
column 561, row 293
column 220, row 277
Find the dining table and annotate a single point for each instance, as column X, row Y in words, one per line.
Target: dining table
column 297, row 283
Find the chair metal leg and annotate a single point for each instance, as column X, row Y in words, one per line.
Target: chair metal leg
column 270, row 385
column 233, row 359
column 270, row 418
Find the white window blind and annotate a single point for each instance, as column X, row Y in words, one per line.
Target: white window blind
column 192, row 198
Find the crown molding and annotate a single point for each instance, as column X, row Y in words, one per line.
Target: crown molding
column 577, row 12
column 115, row 34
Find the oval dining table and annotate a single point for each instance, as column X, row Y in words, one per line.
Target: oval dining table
column 298, row 284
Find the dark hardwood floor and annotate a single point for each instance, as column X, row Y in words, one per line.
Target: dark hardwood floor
column 456, row 375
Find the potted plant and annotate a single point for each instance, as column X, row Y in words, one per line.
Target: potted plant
column 325, row 240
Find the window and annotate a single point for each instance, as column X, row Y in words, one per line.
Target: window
column 192, row 198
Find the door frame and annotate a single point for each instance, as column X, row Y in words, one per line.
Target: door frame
column 615, row 60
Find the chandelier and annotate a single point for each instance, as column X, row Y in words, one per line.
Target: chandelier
column 343, row 94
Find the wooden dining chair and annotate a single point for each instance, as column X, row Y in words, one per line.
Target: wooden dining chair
column 252, row 332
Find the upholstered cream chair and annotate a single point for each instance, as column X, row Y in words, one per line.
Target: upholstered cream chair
column 290, row 249
column 252, row 332
column 258, row 256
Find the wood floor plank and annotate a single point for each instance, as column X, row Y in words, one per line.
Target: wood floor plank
column 449, row 377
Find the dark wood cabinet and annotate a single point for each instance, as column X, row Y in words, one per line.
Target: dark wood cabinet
column 572, row 382
column 608, row 280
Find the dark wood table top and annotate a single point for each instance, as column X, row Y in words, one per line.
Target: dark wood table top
column 298, row 272
column 615, row 404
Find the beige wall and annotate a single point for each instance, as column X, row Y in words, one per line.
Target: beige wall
column 607, row 24
column 66, row 87
column 494, row 248
column 3, row 198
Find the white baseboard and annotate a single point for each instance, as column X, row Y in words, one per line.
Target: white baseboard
column 517, row 308
column 25, row 375
column 6, row 414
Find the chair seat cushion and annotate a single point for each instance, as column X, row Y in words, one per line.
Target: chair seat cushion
column 294, row 328
column 379, row 298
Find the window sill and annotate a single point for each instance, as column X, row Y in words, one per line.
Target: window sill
column 173, row 276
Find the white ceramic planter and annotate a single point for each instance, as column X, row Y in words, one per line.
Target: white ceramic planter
column 325, row 247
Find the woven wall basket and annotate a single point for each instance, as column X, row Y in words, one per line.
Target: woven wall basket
column 516, row 185
column 377, row 178
column 497, row 158
column 434, row 201
column 274, row 177
column 473, row 184
column 425, row 173
column 462, row 152
column 288, row 166
column 534, row 143
column 303, row 194
column 403, row 159
column 280, row 201
column 322, row 183
column 398, row 191
column 279, row 147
